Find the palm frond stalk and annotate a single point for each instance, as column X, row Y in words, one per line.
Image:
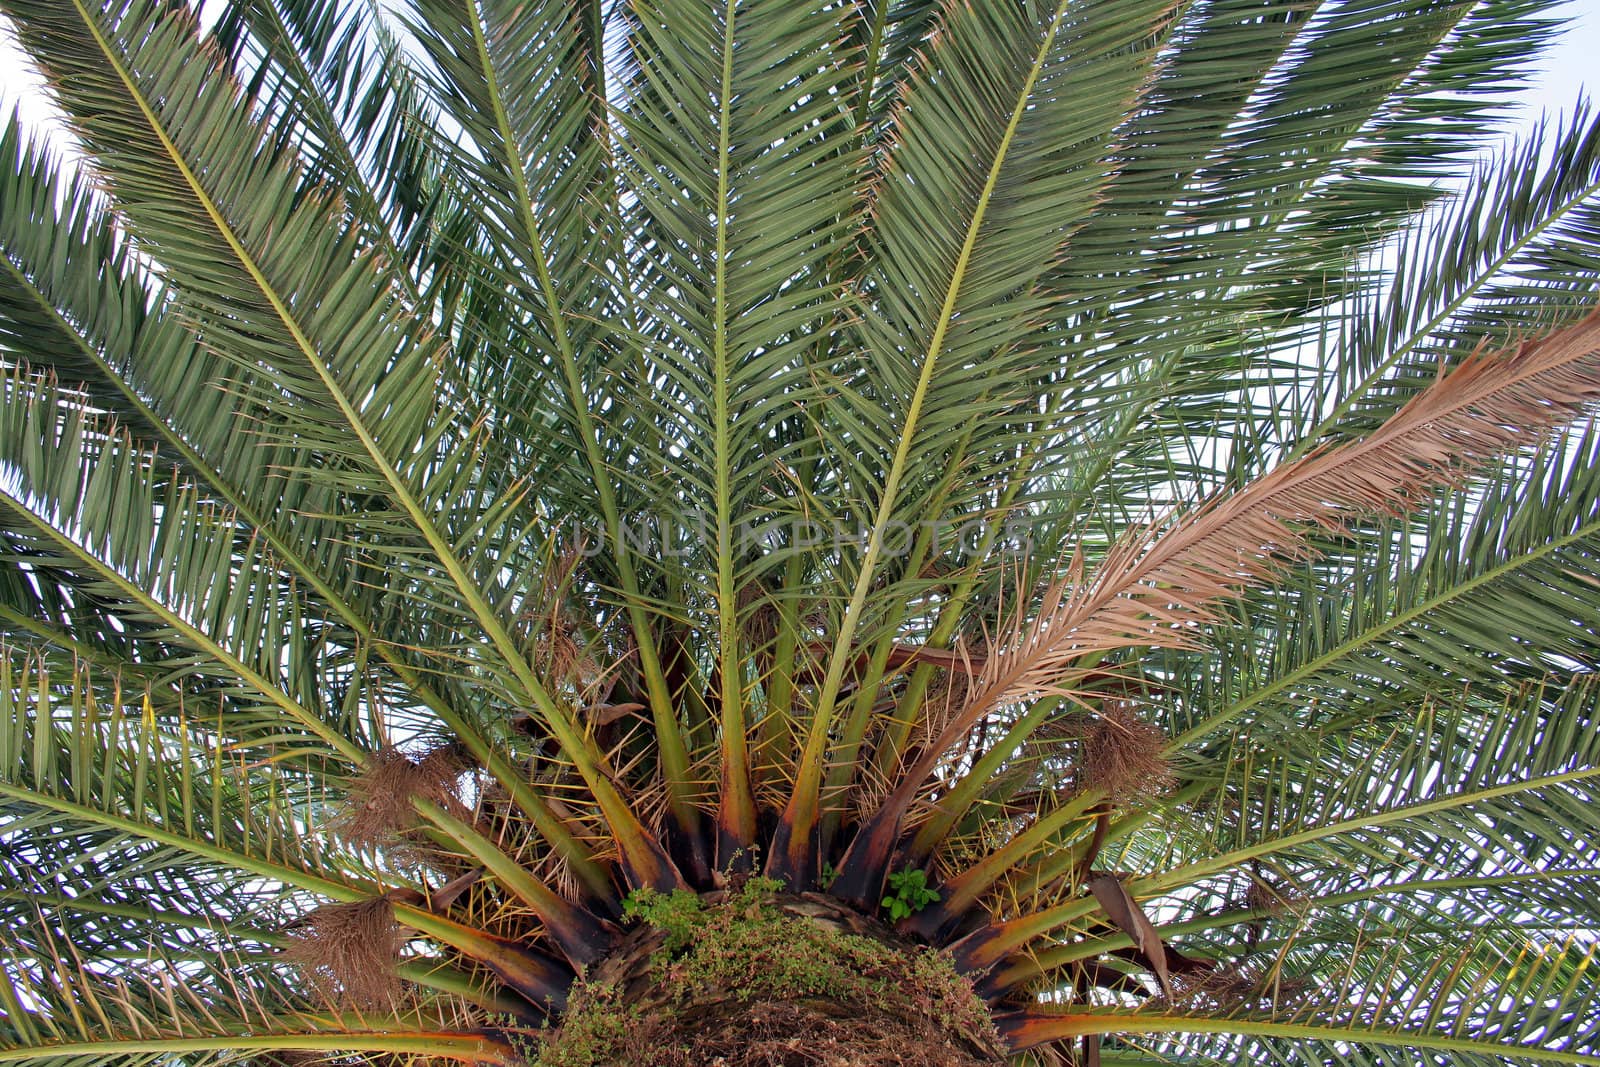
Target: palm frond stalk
column 769, row 531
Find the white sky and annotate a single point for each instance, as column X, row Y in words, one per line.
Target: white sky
column 1572, row 64
column 1570, row 67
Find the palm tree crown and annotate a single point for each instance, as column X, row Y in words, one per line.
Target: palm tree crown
column 1083, row 507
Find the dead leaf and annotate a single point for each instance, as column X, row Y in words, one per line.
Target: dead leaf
column 1113, row 897
column 435, row 900
column 606, row 714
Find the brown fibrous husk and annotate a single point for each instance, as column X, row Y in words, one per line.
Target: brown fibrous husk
column 1241, row 985
column 742, row 979
column 758, row 615
column 795, row 1033
column 379, row 808
column 1274, row 898
column 1123, row 755
column 947, row 693
column 349, row 952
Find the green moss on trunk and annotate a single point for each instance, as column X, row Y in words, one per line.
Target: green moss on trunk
column 753, row 977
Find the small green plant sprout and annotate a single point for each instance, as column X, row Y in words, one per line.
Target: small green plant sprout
column 680, row 913
column 827, row 875
column 908, row 894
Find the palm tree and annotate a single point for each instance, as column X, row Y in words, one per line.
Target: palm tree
column 790, row 532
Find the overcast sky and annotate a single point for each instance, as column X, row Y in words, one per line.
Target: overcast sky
column 1572, row 63
column 1571, row 67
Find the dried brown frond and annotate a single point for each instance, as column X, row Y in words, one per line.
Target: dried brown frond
column 558, row 654
column 379, row 807
column 349, row 952
column 946, row 696
column 1160, row 584
column 1123, row 755
column 492, row 814
column 869, row 791
column 647, row 792
column 558, row 650
column 1163, row 583
column 1249, row 984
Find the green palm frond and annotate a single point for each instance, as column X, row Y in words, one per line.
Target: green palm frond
column 1107, row 488
column 1402, row 614
column 331, row 76
column 738, row 293
column 971, row 207
column 1509, row 255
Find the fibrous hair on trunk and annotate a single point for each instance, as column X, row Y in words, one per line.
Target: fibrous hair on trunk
column 379, row 808
column 1122, row 755
column 349, row 952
